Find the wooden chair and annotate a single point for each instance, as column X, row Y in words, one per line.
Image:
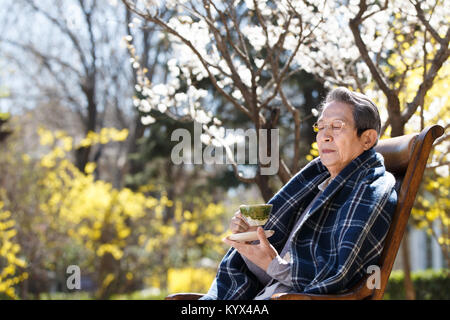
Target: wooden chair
column 406, row 158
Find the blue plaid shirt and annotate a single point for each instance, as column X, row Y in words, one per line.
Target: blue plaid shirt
column 341, row 236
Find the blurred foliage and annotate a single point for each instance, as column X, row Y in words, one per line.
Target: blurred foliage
column 122, row 240
column 190, row 280
column 313, row 152
column 10, row 263
column 4, row 117
column 428, row 284
column 431, row 210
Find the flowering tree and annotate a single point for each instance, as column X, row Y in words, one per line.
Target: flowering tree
column 246, row 50
column 66, row 59
column 249, row 49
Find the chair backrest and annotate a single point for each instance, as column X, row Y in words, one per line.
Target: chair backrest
column 406, row 158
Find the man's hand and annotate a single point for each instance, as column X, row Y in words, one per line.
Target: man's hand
column 239, row 224
column 260, row 254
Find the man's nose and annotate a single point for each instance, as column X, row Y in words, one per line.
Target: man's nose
column 326, row 135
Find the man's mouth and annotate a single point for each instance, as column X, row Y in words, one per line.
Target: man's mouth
column 327, row 151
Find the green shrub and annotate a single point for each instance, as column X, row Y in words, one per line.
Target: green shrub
column 428, row 285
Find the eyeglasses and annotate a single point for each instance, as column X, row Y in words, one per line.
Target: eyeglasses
column 335, row 125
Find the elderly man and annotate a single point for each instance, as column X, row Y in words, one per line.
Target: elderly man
column 330, row 219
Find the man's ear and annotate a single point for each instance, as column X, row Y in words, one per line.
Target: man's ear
column 368, row 138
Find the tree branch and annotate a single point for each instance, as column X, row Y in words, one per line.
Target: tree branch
column 65, row 30
column 438, row 165
column 428, row 27
column 205, row 64
column 377, row 74
column 441, row 56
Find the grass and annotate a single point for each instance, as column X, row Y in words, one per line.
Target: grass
column 146, row 294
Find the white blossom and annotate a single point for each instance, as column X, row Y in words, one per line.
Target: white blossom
column 205, row 138
column 162, row 107
column 145, row 106
column 202, row 117
column 330, row 51
column 237, row 94
column 146, row 120
column 160, row 89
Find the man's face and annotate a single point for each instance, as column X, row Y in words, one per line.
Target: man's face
column 338, row 146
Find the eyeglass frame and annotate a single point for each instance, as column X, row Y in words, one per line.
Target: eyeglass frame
column 337, row 130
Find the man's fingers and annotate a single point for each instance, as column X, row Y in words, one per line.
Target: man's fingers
column 238, row 223
column 232, row 243
column 262, row 236
column 237, row 226
column 241, row 217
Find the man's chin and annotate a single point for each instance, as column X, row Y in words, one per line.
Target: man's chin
column 328, row 159
column 328, row 163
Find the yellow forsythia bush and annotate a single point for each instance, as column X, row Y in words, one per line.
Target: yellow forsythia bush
column 190, row 279
column 9, row 262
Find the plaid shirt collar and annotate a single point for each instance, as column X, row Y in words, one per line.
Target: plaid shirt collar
column 324, row 184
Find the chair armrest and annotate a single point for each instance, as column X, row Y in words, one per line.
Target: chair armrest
column 359, row 292
column 303, row 296
column 184, row 296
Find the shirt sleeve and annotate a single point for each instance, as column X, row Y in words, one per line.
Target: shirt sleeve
column 262, row 276
column 280, row 270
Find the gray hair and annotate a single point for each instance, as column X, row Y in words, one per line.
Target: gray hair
column 365, row 112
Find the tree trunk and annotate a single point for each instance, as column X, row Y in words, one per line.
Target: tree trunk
column 135, row 166
column 263, row 184
column 409, row 287
column 398, row 129
column 82, row 154
column 107, row 266
column 395, row 118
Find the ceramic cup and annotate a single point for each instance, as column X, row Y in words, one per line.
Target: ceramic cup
column 256, row 214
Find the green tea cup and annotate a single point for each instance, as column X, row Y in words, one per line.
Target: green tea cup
column 256, row 214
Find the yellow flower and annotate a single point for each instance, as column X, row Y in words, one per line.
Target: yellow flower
column 187, row 215
column 90, row 167
column 67, row 143
column 108, row 279
column 47, row 161
column 124, row 233
column 189, row 279
column 46, row 137
column 86, row 142
column 120, row 135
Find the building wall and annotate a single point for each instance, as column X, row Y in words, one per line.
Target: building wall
column 424, row 250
